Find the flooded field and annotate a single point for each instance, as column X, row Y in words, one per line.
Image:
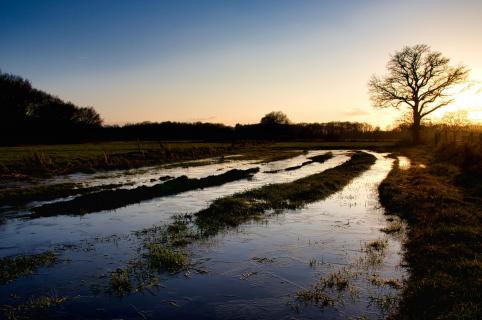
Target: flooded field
column 329, row 258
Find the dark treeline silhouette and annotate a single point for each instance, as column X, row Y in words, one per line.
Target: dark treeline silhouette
column 31, row 116
column 218, row 132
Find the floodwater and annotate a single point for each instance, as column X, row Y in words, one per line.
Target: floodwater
column 251, row 272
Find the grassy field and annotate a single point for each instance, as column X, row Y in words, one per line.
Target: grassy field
column 443, row 247
column 25, row 162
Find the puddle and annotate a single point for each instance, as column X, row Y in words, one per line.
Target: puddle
column 26, row 235
column 254, row 271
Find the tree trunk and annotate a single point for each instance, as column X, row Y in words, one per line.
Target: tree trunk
column 416, row 128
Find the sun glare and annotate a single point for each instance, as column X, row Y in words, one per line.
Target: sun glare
column 467, row 99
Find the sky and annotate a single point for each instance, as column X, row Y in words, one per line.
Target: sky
column 231, row 61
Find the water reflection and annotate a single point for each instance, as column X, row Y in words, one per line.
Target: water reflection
column 254, row 271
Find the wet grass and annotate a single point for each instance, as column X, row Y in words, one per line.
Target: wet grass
column 113, row 199
column 24, row 195
column 48, row 160
column 36, row 307
column 375, row 279
column 315, row 295
column 162, row 243
column 378, row 245
column 26, row 162
column 443, row 245
column 162, row 257
column 333, row 289
column 329, row 290
column 238, row 208
column 120, row 282
column 12, row 268
column 393, row 227
column 161, row 251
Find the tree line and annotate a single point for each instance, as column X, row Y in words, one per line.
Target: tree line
column 418, row 80
column 29, row 115
column 331, row 131
column 32, row 116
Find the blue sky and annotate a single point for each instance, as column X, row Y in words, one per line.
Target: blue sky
column 226, row 61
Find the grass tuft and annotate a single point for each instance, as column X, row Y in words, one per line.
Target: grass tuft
column 13, row 267
column 120, row 282
column 161, row 257
column 35, row 308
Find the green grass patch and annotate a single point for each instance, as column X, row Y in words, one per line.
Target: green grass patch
column 161, row 257
column 13, row 267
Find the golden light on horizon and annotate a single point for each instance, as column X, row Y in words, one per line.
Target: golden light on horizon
column 466, row 98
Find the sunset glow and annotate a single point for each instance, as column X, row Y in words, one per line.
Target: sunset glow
column 231, row 61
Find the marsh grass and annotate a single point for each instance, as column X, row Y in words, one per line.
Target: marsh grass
column 329, row 290
column 375, row 279
column 394, row 226
column 113, row 199
column 162, row 243
column 13, row 267
column 338, row 280
column 233, row 210
column 375, row 252
column 24, row 162
column 48, row 160
column 334, row 288
column 36, row 307
column 161, row 257
column 443, row 242
column 388, row 304
column 378, row 246
column 121, row 282
column 21, row 196
column 161, row 251
column 315, row 295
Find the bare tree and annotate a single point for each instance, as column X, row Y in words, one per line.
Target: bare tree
column 418, row 78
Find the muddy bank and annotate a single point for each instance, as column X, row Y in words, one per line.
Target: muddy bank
column 113, row 199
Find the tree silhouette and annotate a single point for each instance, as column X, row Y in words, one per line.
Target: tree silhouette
column 31, row 115
column 275, row 117
column 419, row 79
